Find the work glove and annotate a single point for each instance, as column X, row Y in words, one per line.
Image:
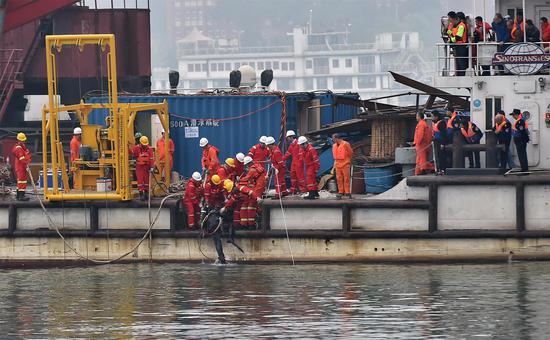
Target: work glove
column 151, row 170
column 332, row 171
column 449, row 32
column 276, row 171
column 259, row 200
column 222, row 210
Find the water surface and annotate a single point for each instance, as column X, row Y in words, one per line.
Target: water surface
column 505, row 301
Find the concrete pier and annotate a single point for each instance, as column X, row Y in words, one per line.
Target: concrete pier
column 428, row 218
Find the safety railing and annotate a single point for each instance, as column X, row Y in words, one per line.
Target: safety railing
column 473, row 59
column 115, row 4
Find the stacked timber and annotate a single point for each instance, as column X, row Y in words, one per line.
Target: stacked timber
column 387, row 134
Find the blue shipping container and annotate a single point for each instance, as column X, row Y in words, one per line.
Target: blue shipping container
column 232, row 123
column 336, row 113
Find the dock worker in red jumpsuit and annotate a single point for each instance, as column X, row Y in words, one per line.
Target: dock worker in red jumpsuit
column 209, row 161
column 311, row 160
column 278, row 164
column 254, row 179
column 161, row 151
column 76, row 141
column 213, row 193
column 75, row 144
column 255, row 176
column 145, row 163
column 192, row 199
column 240, row 199
column 297, row 178
column 237, row 195
column 259, row 152
column 239, row 164
column 227, row 170
column 22, row 158
column 422, row 143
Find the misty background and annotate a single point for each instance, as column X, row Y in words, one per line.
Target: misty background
column 266, row 23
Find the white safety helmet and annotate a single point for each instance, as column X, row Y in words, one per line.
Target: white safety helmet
column 269, row 140
column 290, row 133
column 240, row 157
column 263, row 139
column 203, row 142
column 302, row 140
column 247, row 160
column 197, row 176
column 77, row 131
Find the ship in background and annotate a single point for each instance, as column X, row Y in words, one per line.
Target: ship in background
column 209, row 49
column 312, row 61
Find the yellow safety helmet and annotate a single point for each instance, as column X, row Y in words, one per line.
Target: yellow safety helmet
column 144, row 140
column 216, row 179
column 228, row 185
column 21, row 137
column 230, row 162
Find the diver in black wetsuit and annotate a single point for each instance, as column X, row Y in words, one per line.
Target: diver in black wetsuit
column 216, row 225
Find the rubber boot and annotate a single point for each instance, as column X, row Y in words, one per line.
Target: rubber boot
column 141, row 196
column 315, row 194
column 310, row 196
column 145, row 195
column 21, row 196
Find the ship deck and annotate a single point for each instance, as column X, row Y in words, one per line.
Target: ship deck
column 432, row 218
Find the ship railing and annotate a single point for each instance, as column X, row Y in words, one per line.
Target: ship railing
column 194, row 50
column 479, row 59
column 115, row 4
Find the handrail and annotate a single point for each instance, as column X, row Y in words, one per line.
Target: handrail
column 475, row 62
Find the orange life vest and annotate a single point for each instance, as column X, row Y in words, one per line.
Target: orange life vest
column 464, row 38
column 451, row 120
column 500, row 127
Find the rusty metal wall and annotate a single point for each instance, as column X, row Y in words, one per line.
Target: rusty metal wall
column 130, row 26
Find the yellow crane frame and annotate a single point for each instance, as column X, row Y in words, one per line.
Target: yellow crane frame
column 120, row 126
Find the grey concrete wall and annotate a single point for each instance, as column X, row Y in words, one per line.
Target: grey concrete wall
column 70, row 218
column 403, row 192
column 476, row 207
column 132, row 218
column 277, row 249
column 389, row 219
column 307, row 218
column 537, row 207
column 4, row 218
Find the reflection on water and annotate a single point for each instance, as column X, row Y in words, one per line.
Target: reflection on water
column 251, row 301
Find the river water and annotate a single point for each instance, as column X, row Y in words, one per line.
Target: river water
column 505, row 301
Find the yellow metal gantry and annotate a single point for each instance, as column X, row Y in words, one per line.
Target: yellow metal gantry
column 112, row 144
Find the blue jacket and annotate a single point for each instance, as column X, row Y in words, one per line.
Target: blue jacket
column 501, row 31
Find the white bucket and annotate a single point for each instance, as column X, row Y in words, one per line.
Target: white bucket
column 104, row 184
column 175, row 177
column 332, row 187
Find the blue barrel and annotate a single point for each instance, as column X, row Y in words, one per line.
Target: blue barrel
column 380, row 179
column 50, row 179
